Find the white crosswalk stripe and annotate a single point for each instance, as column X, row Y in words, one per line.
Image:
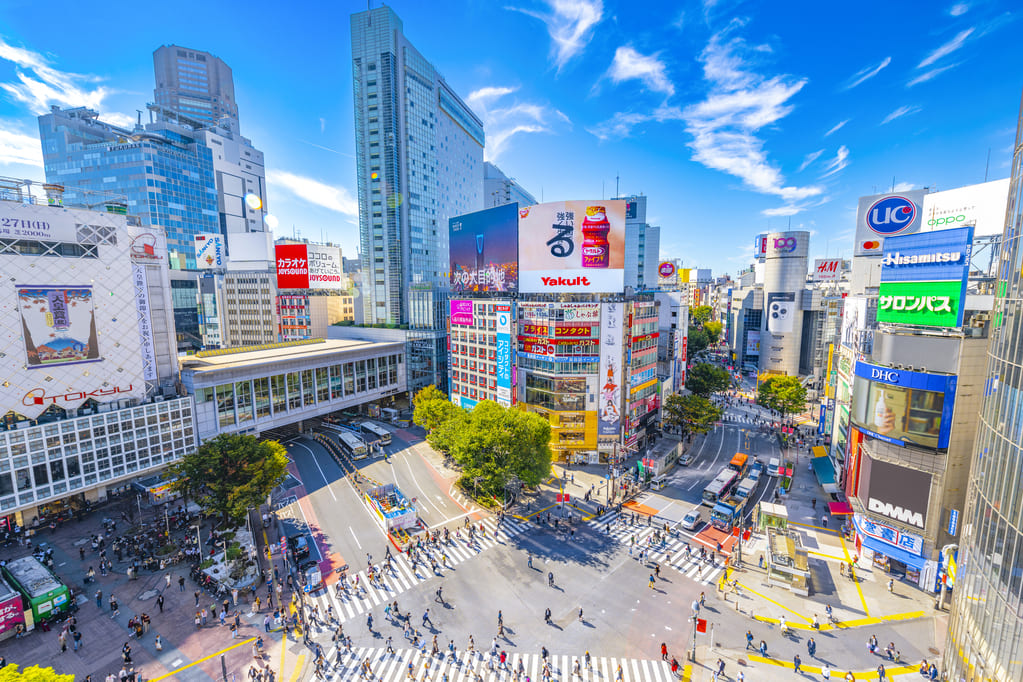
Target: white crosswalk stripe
column 395, row 667
column 402, row 577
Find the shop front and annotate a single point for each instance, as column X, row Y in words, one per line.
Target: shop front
column 892, row 550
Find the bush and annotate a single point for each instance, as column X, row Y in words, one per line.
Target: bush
column 206, row 564
column 234, row 552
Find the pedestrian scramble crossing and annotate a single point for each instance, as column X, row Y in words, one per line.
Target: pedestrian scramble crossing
column 402, row 576
column 671, row 551
column 463, row 667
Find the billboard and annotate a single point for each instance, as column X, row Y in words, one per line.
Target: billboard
column 981, row 205
column 484, row 250
column 572, row 247
column 461, row 312
column 753, row 342
column 827, row 269
column 897, row 492
column 923, row 278
column 292, row 266
column 209, row 251
column 781, row 312
column 667, row 273
column 903, row 407
column 886, row 215
column 58, row 324
column 503, row 356
column 324, row 264
column 786, row 245
column 610, row 400
column 760, row 246
column 854, row 324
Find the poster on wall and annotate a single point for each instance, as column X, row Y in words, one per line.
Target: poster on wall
column 753, row 342
column 209, row 251
column 59, row 325
column 610, row 376
column 483, row 250
column 781, row 312
column 572, row 247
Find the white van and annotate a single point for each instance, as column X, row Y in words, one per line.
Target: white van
column 693, row 519
column 773, row 465
column 659, row 482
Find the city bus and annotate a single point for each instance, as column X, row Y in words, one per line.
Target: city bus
column 719, row 487
column 739, row 464
column 376, row 433
column 352, row 444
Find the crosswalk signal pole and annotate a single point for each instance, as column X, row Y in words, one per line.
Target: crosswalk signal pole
column 692, row 652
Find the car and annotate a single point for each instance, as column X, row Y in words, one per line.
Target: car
column 685, row 460
column 757, row 466
column 310, row 576
column 754, row 475
column 693, row 519
column 299, row 547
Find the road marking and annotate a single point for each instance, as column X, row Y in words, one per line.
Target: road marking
column 864, row 675
column 317, row 463
column 863, row 600
column 204, row 659
column 298, row 667
column 423, row 492
column 353, row 536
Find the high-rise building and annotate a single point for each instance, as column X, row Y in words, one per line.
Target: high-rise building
column 419, row 157
column 985, row 633
column 196, row 84
column 499, row 189
column 642, row 245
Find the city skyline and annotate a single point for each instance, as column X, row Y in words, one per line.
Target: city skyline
column 763, row 110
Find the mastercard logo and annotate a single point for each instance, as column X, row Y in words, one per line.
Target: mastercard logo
column 870, row 246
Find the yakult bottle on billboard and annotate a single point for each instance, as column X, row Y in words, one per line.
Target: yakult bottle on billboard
column 596, row 249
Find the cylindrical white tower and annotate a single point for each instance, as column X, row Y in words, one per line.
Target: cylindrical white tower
column 785, row 266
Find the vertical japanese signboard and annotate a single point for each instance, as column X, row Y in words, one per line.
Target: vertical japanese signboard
column 146, row 345
column 503, row 356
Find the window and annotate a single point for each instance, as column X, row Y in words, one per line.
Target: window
column 225, row 404
column 294, row 391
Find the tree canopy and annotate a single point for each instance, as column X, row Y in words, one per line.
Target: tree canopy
column 231, row 473
column 784, row 394
column 690, row 413
column 698, row 340
column 712, row 329
column 10, row 673
column 705, row 378
column 431, row 408
column 700, row 314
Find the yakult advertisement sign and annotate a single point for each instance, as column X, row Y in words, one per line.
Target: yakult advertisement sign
column 572, row 247
column 609, row 405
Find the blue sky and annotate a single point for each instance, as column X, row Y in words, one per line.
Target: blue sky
column 733, row 117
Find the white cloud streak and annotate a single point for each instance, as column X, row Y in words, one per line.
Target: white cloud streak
column 958, row 9
column 39, row 85
column 838, row 163
column 810, row 158
column 739, row 104
column 570, row 24
column 629, row 64
column 621, row 124
column 502, row 122
column 905, row 110
column 903, row 187
column 928, row 75
column 837, row 127
column 16, row 148
column 336, row 199
column 868, row 73
column 946, row 49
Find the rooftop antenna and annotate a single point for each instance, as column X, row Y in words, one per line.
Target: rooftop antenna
column 987, row 165
column 893, row 183
column 618, row 192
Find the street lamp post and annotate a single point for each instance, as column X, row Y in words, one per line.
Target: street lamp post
column 692, row 652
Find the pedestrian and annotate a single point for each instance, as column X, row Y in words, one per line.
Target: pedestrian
column 891, row 586
column 181, row 583
column 664, row 651
column 159, row 602
column 881, row 674
column 795, row 663
column 76, row 639
column 158, row 642
column 99, row 599
column 749, row 640
column 811, row 647
column 197, row 599
column 62, row 639
column 721, row 667
column 763, row 648
column 826, row 672
column 234, row 596
column 824, row 521
column 167, row 578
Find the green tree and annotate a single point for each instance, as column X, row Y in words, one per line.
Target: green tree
column 713, row 330
column 785, row 394
column 697, row 340
column 494, row 443
column 11, row 673
column 444, row 436
column 432, row 408
column 705, row 378
column 700, row 314
column 231, row 473
column 690, row 413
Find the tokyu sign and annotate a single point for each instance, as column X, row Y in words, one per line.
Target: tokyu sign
column 895, row 512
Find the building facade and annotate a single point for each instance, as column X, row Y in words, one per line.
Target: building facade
column 419, row 159
column 249, row 312
column 642, row 246
column 499, row 189
column 482, row 358
column 985, row 631
column 307, row 316
column 197, row 84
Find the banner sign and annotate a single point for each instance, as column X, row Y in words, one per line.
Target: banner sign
column 146, row 344
column 292, row 266
column 609, row 403
column 461, row 312
column 209, row 251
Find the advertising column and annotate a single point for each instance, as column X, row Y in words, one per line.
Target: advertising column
column 609, row 406
column 784, row 278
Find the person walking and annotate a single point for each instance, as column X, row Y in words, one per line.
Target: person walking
column 749, row 640
column 826, row 672
column 891, row 586
column 99, row 599
column 881, row 673
column 159, row 603
column 796, row 661
column 811, row 647
column 664, row 651
column 181, row 583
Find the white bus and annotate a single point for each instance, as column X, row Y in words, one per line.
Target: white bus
column 352, row 444
column 719, row 487
column 376, row 433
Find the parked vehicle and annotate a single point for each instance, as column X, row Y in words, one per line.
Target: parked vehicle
column 299, row 547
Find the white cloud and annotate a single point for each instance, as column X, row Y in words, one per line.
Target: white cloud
column 867, row 73
column 621, row 124
column 39, row 85
column 840, row 161
column 501, row 123
column 946, row 49
column 958, row 9
column 570, row 24
column 629, row 64
column 740, row 103
column 782, row 211
column 900, row 112
column 810, row 158
column 903, row 187
column 837, row 127
column 18, row 148
column 928, row 75
column 315, row 192
column 120, row 120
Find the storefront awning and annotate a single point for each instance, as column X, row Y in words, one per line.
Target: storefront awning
column 892, row 552
column 825, row 470
column 839, row 508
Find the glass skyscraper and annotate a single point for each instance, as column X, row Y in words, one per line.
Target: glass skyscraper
column 419, row 152
column 986, row 626
column 196, row 84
